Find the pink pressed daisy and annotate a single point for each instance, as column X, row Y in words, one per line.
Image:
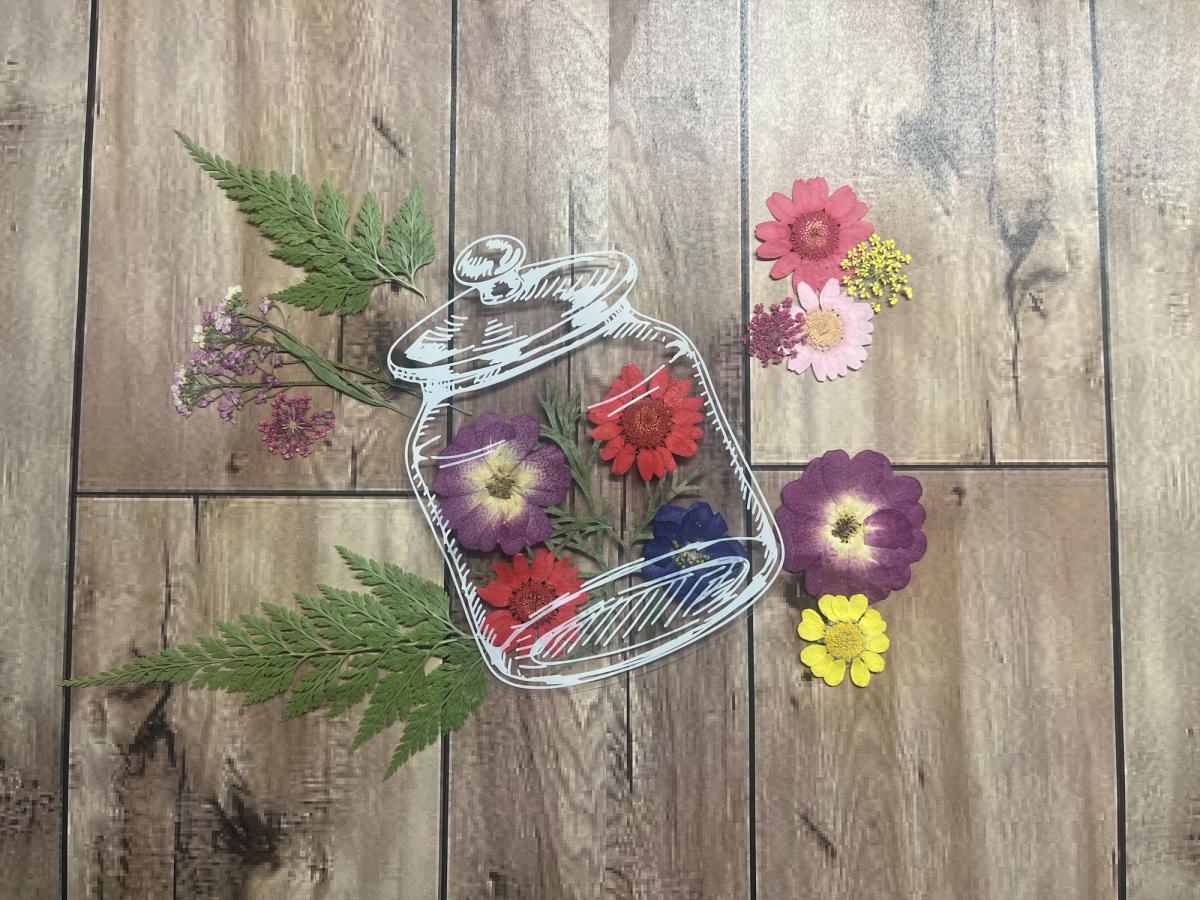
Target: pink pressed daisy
column 812, row 231
column 839, row 329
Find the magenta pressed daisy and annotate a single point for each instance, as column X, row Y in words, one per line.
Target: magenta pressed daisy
column 774, row 333
column 812, row 231
column 852, row 525
column 292, row 429
column 496, row 480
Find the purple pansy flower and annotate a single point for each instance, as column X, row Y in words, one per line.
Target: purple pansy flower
column 852, row 526
column 495, row 481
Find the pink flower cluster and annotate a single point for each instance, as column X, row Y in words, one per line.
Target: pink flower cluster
column 292, row 429
column 229, row 354
column 774, row 333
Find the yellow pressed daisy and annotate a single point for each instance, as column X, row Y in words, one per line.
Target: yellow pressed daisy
column 853, row 636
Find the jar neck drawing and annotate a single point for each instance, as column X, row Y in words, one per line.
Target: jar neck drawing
column 478, row 338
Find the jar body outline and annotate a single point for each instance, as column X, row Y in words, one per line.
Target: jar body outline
column 762, row 533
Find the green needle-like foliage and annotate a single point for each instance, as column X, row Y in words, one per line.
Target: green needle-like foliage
column 309, row 230
column 396, row 645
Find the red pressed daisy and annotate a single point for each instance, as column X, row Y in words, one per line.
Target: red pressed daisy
column 532, row 599
column 650, row 420
column 812, row 231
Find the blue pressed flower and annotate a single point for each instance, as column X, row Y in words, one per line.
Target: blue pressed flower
column 688, row 539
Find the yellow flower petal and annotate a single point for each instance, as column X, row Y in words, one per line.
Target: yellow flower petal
column 877, row 642
column 811, row 626
column 872, row 622
column 841, row 609
column 814, row 654
column 859, row 673
column 834, row 672
column 826, row 605
column 810, row 631
column 818, row 670
column 858, row 606
column 873, row 660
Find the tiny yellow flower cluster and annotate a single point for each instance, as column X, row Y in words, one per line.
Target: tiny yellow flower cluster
column 873, row 272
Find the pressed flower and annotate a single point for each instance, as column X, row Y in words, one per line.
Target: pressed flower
column 689, row 540
column 873, row 272
column 811, row 231
column 650, row 421
column 292, row 429
column 837, row 332
column 852, row 526
column 853, row 637
column 532, row 600
column 496, row 481
column 773, row 334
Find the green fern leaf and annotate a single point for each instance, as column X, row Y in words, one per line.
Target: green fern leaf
column 308, row 229
column 409, row 244
column 396, row 645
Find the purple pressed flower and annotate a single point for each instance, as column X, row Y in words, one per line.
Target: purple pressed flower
column 292, row 429
column 773, row 334
column 852, row 526
column 496, row 480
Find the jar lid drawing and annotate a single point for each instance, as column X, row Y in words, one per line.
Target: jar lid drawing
column 512, row 318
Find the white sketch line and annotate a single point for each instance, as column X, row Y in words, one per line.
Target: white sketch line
column 644, row 619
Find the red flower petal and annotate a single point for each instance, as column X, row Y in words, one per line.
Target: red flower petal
column 771, row 231
column 543, row 564
column 613, row 448
column 502, row 623
column 781, row 207
column 631, row 375
column 680, row 445
column 783, row 266
column 666, row 461
column 606, row 432
column 624, row 459
column 646, row 463
column 841, row 202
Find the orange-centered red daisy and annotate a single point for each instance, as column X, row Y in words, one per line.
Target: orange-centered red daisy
column 532, row 600
column 648, row 420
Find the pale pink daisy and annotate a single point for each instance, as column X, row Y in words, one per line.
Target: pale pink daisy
column 838, row 330
column 812, row 231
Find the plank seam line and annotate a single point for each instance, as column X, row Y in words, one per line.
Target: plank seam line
column 85, row 214
column 443, row 886
column 1122, row 871
column 747, row 419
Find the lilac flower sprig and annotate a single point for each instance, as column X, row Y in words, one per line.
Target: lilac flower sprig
column 248, row 356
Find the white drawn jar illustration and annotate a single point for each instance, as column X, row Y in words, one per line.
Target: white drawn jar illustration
column 518, row 329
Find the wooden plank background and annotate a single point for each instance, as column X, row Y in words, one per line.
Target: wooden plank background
column 1036, row 731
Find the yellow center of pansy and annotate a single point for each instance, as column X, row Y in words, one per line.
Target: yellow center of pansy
column 825, row 329
column 500, row 485
column 845, row 527
column 844, row 640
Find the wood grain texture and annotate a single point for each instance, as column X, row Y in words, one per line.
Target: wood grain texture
column 43, row 87
column 676, row 207
column 980, row 762
column 608, row 157
column 531, row 162
column 1152, row 193
column 357, row 96
column 188, row 794
column 968, row 130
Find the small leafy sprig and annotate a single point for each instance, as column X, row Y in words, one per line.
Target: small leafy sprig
column 396, row 644
column 309, row 230
column 586, row 532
